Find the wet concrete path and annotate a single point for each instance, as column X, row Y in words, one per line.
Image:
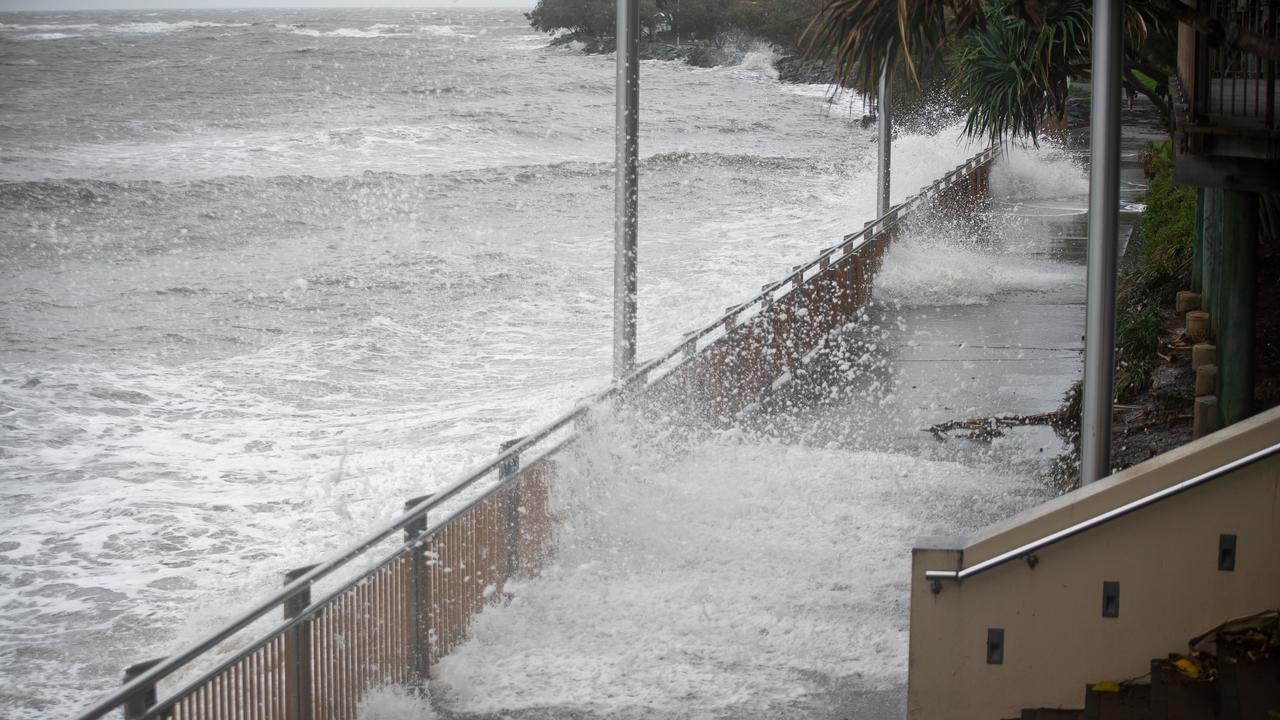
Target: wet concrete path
column 1013, row 345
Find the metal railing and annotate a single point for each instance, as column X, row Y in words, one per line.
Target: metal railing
column 1238, row 86
column 1029, row 549
column 385, row 617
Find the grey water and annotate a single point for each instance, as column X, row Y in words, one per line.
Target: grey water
column 265, row 274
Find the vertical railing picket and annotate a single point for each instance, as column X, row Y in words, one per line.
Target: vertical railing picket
column 420, row 602
column 140, row 702
column 297, row 651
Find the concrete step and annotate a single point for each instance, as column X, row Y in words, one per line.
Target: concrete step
column 1175, row 696
column 1248, row 682
column 1129, row 702
column 1051, row 714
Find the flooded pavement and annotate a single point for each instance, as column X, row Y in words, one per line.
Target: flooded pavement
column 761, row 571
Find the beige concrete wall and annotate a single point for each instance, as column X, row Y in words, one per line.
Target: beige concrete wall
column 1165, row 558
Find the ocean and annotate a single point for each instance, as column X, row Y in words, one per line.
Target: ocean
column 266, row 274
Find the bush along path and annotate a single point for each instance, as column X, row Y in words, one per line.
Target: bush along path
column 1154, row 382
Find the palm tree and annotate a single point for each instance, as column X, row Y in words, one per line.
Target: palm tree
column 1009, row 61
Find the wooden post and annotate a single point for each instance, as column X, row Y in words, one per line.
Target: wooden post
column 137, row 705
column 421, row 604
column 297, row 651
column 1197, row 245
column 1211, row 249
column 1234, row 320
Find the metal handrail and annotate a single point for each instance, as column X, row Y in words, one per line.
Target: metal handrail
column 641, row 376
column 1103, row 518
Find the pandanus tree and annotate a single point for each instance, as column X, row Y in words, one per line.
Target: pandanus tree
column 1009, row 62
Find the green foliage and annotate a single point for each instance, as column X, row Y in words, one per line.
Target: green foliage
column 1010, row 60
column 596, row 17
column 1168, row 225
column 1145, row 81
column 1138, row 330
column 1164, row 260
column 859, row 36
column 1012, row 74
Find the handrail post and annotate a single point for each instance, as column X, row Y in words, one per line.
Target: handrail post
column 137, row 705
column 413, row 533
column 511, row 528
column 297, row 649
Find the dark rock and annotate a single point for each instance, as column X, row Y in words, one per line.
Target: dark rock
column 1173, row 384
column 791, row 68
column 794, row 69
column 708, row 57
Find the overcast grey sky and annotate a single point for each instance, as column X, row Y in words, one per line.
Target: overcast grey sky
column 204, row 4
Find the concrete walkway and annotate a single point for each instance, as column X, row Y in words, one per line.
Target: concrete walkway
column 1013, row 345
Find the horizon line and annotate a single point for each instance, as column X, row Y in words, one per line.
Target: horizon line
column 141, row 5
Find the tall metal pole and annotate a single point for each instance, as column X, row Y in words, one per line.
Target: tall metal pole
column 1104, row 209
column 626, row 176
column 884, row 130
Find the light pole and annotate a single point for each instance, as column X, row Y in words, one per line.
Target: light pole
column 884, row 131
column 1104, row 210
column 626, row 176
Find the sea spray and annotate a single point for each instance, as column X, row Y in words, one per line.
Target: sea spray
column 760, row 60
column 708, row 581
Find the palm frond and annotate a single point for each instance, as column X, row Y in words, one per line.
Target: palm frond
column 859, row 36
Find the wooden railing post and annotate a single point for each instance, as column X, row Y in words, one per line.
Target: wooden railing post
column 297, row 651
column 138, row 704
column 421, row 603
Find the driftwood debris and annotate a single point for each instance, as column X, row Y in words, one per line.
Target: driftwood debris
column 987, row 428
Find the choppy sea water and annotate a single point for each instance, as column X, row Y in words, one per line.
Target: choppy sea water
column 265, row 274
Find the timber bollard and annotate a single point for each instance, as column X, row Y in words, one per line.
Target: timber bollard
column 1206, row 416
column 418, row 596
column 297, row 651
column 1198, row 325
column 1203, row 354
column 138, row 703
column 1187, row 301
column 1206, row 380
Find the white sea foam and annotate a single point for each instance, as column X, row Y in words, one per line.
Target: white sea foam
column 168, row 27
column 942, row 269
column 709, row 582
column 59, row 31
column 46, row 36
column 47, row 27
column 1045, row 172
column 377, row 30
column 759, row 61
column 394, row 703
column 920, row 158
